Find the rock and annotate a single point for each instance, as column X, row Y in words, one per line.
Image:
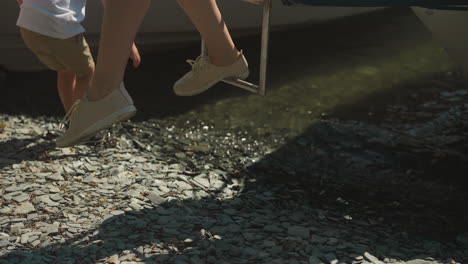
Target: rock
column 331, row 258
column 24, row 238
column 462, row 239
column 16, row 228
column 421, row 261
column 50, row 229
column 54, row 189
column 299, row 231
column 183, row 185
column 371, row 258
column 45, row 199
column 4, row 243
column 24, row 208
column 321, row 215
column 269, row 243
column 117, row 212
column 135, row 206
column 272, row 228
column 155, row 198
column 332, row 241
column 180, row 155
column 21, row 197
column 198, row 148
column 56, row 177
column 314, row 260
column 16, row 188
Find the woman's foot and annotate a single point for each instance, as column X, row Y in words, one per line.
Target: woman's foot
column 205, row 74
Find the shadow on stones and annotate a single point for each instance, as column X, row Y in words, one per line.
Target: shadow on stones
column 16, row 150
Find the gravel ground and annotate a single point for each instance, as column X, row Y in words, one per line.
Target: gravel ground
column 343, row 191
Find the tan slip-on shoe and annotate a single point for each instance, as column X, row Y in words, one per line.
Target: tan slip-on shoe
column 87, row 118
column 204, row 74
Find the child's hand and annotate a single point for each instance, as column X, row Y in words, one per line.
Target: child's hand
column 135, row 56
column 20, row 2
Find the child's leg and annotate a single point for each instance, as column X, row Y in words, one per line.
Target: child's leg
column 207, row 19
column 66, row 85
column 82, row 84
column 75, row 56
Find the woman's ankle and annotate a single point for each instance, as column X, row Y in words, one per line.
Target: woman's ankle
column 225, row 60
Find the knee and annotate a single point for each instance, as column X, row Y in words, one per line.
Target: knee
column 87, row 74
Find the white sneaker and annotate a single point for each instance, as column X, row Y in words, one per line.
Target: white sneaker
column 204, row 75
column 87, row 118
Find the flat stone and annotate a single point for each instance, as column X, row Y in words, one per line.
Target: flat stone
column 183, row 185
column 4, row 243
column 55, row 197
column 16, row 188
column 54, row 189
column 202, row 180
column 16, row 228
column 45, row 199
column 180, row 155
column 170, row 231
column 299, row 231
column 269, row 243
column 135, row 206
column 35, row 243
column 67, row 151
column 56, row 177
column 371, row 258
column 155, row 198
column 273, row 228
column 314, row 260
column 24, row 238
column 198, row 148
column 21, row 198
column 420, row 261
column 332, row 241
column 24, row 208
column 117, row 212
column 462, row 239
column 50, row 229
column 331, row 258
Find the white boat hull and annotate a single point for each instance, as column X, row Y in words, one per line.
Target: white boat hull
column 166, row 23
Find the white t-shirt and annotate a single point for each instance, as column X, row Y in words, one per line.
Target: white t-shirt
column 54, row 18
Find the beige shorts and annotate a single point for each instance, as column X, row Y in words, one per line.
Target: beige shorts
column 70, row 54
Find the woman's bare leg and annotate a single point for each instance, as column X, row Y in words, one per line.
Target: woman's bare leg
column 122, row 18
column 207, row 18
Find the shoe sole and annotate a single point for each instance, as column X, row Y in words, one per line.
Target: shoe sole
column 210, row 84
column 119, row 116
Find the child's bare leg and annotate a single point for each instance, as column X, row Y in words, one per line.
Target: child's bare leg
column 122, row 18
column 82, row 84
column 207, row 18
column 66, row 85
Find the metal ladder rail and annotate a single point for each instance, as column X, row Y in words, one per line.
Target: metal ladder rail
column 261, row 87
